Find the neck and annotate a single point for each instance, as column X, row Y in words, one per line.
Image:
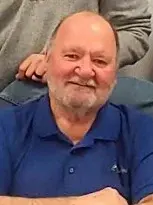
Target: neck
column 73, row 123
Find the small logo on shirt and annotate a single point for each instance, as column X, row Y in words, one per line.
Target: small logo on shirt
column 119, row 169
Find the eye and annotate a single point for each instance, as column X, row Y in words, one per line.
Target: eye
column 99, row 62
column 71, row 56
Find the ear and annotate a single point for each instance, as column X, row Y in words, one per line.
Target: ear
column 113, row 86
column 115, row 82
column 48, row 56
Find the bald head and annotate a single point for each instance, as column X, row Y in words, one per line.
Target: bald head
column 85, row 18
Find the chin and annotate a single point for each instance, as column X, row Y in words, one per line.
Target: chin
column 82, row 103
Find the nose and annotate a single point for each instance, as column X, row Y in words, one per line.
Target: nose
column 84, row 69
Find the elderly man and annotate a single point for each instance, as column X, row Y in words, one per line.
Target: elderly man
column 73, row 146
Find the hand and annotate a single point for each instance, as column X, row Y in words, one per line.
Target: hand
column 148, row 200
column 33, row 68
column 107, row 196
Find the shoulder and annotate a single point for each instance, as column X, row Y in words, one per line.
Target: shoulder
column 14, row 121
column 131, row 115
column 16, row 127
column 136, row 127
column 137, row 118
column 19, row 113
column 126, row 116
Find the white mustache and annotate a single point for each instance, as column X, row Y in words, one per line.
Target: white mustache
column 90, row 82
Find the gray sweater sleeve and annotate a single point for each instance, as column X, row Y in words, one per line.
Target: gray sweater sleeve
column 132, row 21
column 8, row 11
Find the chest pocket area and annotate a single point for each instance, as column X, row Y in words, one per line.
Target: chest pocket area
column 116, row 169
column 122, row 167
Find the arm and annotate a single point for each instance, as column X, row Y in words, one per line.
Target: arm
column 147, row 200
column 132, row 21
column 4, row 200
column 8, row 10
column 100, row 197
column 5, row 165
column 142, row 161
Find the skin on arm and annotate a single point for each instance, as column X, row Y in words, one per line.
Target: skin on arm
column 146, row 201
column 4, row 200
column 101, row 197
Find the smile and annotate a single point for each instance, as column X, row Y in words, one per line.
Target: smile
column 82, row 85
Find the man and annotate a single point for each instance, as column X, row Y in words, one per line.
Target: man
column 26, row 24
column 74, row 142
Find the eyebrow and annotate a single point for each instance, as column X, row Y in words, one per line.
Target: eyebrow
column 73, row 49
column 101, row 54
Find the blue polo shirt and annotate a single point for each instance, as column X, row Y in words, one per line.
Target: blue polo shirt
column 37, row 160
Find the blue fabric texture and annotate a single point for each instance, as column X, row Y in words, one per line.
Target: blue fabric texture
column 37, row 160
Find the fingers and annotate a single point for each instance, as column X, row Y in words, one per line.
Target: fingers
column 39, row 74
column 41, row 68
column 44, row 78
column 23, row 68
column 34, row 64
column 32, row 68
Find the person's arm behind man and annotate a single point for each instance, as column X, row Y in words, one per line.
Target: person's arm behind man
column 132, row 21
column 100, row 197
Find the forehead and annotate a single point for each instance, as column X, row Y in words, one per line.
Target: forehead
column 86, row 33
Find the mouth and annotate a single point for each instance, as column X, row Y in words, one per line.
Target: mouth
column 82, row 85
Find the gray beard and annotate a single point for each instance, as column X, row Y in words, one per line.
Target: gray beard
column 78, row 110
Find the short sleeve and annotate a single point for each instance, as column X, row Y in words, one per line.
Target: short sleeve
column 142, row 159
column 5, row 165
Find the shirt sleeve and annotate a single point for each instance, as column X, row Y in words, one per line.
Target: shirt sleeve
column 133, row 23
column 5, row 165
column 142, row 159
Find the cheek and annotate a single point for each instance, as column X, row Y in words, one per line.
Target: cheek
column 59, row 68
column 106, row 77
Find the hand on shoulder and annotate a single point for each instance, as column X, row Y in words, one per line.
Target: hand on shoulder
column 33, row 68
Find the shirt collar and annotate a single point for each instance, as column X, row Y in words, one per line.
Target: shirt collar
column 105, row 127
column 44, row 124
column 107, row 123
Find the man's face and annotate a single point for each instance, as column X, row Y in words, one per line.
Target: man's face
column 81, row 65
